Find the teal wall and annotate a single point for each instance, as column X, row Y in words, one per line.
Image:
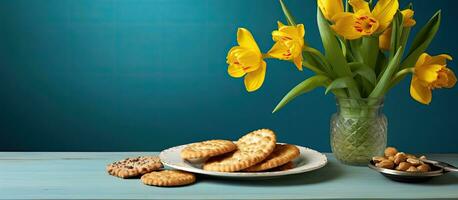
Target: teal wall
column 141, row 75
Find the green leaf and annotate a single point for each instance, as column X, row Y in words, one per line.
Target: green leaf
column 422, row 40
column 355, row 46
column 369, row 50
column 381, row 64
column 311, row 60
column 343, row 82
column 288, row 15
column 405, row 30
column 319, row 58
column 364, row 71
column 396, row 33
column 303, row 87
column 312, row 67
column 384, row 81
column 332, row 48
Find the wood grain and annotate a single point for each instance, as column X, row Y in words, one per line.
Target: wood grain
column 81, row 175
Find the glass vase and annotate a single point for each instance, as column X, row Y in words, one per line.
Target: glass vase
column 358, row 130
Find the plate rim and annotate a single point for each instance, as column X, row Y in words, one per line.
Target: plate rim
column 245, row 174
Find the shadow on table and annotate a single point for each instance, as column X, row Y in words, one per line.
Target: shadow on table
column 446, row 179
column 327, row 173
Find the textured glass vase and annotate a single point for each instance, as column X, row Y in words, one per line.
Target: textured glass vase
column 358, row 130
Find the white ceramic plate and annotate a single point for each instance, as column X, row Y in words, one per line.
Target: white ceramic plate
column 308, row 160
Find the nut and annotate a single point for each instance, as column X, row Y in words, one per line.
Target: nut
column 424, row 168
column 400, row 157
column 414, row 162
column 410, row 155
column 391, row 158
column 378, row 159
column 388, row 164
column 412, row 169
column 390, row 151
column 403, row 166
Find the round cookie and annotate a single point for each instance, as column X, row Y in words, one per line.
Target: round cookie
column 132, row 167
column 251, row 149
column 282, row 154
column 289, row 165
column 168, row 178
column 207, row 148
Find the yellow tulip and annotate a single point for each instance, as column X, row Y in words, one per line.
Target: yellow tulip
column 385, row 37
column 430, row 72
column 246, row 59
column 289, row 41
column 363, row 21
column 329, row 8
column 407, row 14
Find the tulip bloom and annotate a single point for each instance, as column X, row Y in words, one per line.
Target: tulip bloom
column 329, row 8
column 289, row 41
column 385, row 38
column 430, row 72
column 246, row 59
column 364, row 22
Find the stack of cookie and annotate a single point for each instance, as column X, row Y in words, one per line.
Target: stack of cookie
column 150, row 170
column 255, row 152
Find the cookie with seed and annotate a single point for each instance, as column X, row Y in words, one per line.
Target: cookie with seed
column 168, row 178
column 289, row 165
column 132, row 167
column 251, row 149
column 282, row 154
column 207, row 149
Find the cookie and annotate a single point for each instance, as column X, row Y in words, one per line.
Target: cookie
column 289, row 165
column 251, row 149
column 168, row 178
column 207, row 149
column 132, row 167
column 282, row 154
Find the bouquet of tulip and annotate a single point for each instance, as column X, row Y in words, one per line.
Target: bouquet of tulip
column 364, row 56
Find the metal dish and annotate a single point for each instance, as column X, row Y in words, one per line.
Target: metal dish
column 408, row 176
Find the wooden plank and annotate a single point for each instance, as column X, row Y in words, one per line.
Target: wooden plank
column 81, row 175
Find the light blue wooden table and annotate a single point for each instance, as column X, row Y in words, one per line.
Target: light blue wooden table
column 82, row 176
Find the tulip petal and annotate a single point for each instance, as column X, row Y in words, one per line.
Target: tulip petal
column 232, row 54
column 254, row 80
column 439, row 59
column 384, row 12
column 280, row 35
column 249, row 60
column 300, row 30
column 407, row 14
column 329, row 8
column 344, row 26
column 428, row 73
column 298, row 62
column 235, row 71
column 279, row 51
column 291, row 31
column 358, row 5
column 451, row 78
column 422, row 59
column 279, row 24
column 419, row 92
column 245, row 39
column 384, row 39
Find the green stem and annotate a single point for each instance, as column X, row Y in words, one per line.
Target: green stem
column 400, row 75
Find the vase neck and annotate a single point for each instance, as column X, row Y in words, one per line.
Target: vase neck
column 352, row 107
